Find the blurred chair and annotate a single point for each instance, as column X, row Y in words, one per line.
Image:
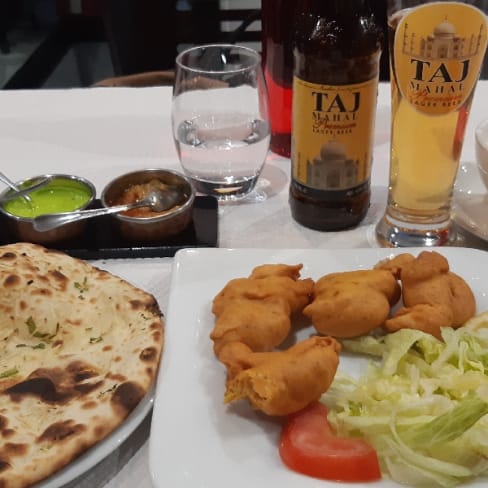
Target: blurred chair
column 148, row 78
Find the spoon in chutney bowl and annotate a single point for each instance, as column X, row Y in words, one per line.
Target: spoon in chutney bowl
column 22, row 192
column 157, row 200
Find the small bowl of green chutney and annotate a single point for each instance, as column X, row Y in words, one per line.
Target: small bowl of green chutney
column 63, row 193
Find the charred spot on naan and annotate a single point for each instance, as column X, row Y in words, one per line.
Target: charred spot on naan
column 61, row 430
column 89, row 405
column 12, row 281
column 149, row 306
column 59, row 278
column 8, row 256
column 11, row 450
column 149, row 354
column 126, row 397
column 5, row 431
column 57, row 385
column 157, row 335
column 4, row 465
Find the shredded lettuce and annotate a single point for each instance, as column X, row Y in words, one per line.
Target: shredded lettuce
column 421, row 402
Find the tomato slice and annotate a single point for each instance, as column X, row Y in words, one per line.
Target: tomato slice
column 308, row 445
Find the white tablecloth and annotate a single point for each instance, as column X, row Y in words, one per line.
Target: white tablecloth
column 100, row 133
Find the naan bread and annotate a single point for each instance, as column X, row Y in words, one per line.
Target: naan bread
column 79, row 349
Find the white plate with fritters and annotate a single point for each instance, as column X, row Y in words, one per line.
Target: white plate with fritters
column 196, row 440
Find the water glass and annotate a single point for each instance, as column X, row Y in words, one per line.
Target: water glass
column 220, row 118
column 436, row 54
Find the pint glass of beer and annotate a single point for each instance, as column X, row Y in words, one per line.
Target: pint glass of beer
column 436, row 54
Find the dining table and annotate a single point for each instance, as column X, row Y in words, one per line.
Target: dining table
column 102, row 132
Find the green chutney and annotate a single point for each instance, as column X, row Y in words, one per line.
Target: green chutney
column 59, row 195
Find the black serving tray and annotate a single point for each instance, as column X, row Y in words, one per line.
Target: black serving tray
column 102, row 241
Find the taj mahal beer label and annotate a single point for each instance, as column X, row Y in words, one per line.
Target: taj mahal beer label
column 332, row 132
column 438, row 53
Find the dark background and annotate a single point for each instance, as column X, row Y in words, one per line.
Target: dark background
column 76, row 43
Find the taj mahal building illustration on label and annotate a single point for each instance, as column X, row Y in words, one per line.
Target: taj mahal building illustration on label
column 443, row 43
column 332, row 168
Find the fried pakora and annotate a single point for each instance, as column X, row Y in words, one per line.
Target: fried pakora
column 433, row 296
column 261, row 324
column 352, row 303
column 280, row 382
column 257, row 310
column 271, row 280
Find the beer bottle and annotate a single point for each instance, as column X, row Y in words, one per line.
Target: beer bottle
column 336, row 48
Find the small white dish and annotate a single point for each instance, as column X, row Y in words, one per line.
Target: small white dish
column 196, row 440
column 470, row 201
